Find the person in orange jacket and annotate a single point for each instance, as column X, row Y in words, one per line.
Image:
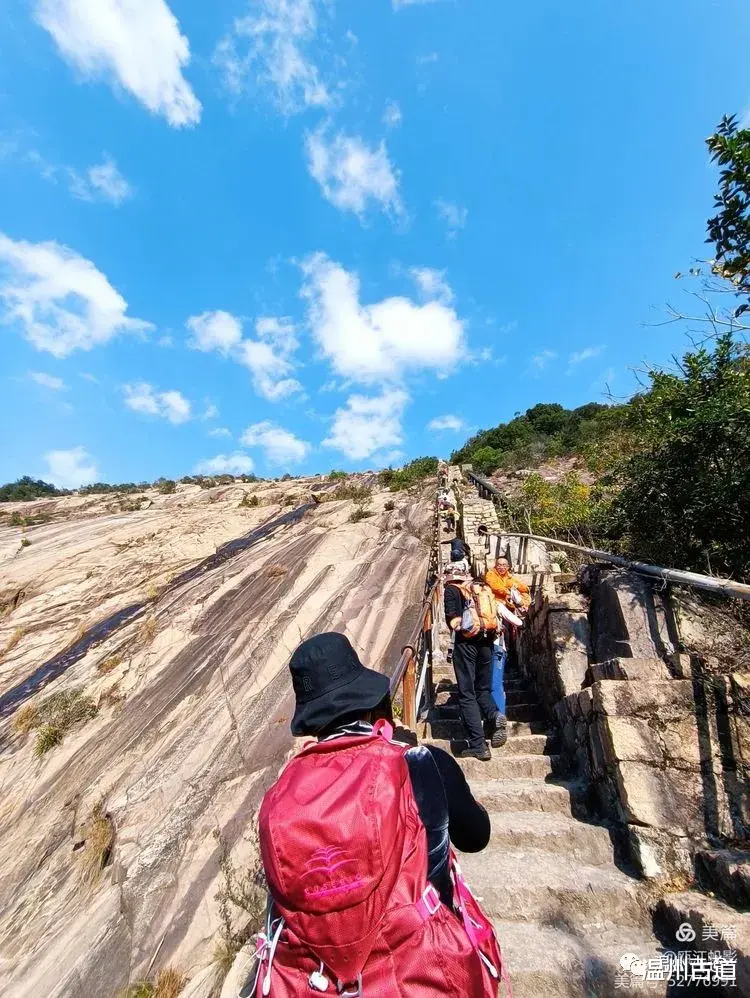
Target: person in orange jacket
column 510, row 591
column 501, row 581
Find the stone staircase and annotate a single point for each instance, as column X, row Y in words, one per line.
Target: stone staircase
column 565, row 913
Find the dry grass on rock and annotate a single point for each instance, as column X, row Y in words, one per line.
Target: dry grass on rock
column 99, row 837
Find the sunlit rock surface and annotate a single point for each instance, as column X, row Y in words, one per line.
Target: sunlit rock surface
column 193, row 719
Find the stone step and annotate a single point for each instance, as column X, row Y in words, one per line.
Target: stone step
column 524, row 795
column 447, row 701
column 546, row 962
column 550, row 831
column 526, row 884
column 514, row 728
column 727, row 872
column 702, row 912
column 502, row 766
column 452, row 728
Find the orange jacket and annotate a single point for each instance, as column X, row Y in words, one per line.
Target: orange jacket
column 501, row 586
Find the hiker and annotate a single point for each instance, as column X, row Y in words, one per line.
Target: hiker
column 471, row 614
column 515, row 597
column 460, row 552
column 365, row 896
column 508, row 588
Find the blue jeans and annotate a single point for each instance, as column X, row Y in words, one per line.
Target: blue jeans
column 498, row 677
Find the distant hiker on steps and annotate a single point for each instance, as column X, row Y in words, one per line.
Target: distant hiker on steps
column 366, row 898
column 471, row 613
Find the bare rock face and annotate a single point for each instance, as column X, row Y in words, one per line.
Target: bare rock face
column 178, row 621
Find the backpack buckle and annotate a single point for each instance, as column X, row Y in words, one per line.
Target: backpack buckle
column 431, row 900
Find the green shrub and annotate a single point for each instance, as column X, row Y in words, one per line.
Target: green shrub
column 25, row 542
column 334, row 475
column 165, row 486
column 360, row 513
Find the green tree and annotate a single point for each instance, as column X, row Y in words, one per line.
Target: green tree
column 729, row 229
column 27, row 488
column 684, row 498
column 485, row 460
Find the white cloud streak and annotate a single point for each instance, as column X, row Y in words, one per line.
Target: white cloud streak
column 267, row 51
column 135, row 44
column 588, row 353
column 279, row 445
column 392, row 116
column 432, row 284
column 351, row 175
column 171, row 405
column 226, row 464
column 379, row 342
column 368, row 424
column 102, row 182
column 219, row 431
column 441, row 423
column 59, row 299
column 47, row 381
column 540, row 360
column 69, row 469
column 453, row 215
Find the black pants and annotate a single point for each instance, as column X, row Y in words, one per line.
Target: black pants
column 472, row 660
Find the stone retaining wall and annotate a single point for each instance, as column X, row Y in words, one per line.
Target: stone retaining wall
column 664, row 759
column 663, row 747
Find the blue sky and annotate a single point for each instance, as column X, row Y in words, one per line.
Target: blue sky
column 291, row 235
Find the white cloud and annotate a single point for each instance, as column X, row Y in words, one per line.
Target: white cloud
column 368, row 424
column 432, row 284
column 392, row 116
column 586, row 354
column 226, row 464
column 270, row 45
column 171, row 405
column 453, row 215
column 136, row 44
column 350, row 174
column 219, row 431
column 211, row 411
column 269, row 358
column 219, row 331
column 102, row 182
column 62, row 302
column 280, row 446
column 453, row 423
column 89, row 377
column 376, row 342
column 540, row 360
column 398, row 4
column 69, row 469
column 47, row 380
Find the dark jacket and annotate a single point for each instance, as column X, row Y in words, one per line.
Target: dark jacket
column 459, row 549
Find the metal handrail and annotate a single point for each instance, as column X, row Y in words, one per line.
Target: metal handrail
column 726, row 587
column 419, row 649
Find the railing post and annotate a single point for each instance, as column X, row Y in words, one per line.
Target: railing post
column 410, row 692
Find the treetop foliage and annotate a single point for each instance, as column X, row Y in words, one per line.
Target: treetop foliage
column 729, row 229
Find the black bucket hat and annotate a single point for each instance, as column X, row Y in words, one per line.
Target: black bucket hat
column 330, row 681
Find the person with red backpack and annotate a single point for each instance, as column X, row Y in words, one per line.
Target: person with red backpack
column 365, row 895
column 471, row 613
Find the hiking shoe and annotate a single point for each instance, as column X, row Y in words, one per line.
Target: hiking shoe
column 483, row 753
column 500, row 734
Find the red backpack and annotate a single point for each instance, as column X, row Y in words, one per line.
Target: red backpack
column 352, row 912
